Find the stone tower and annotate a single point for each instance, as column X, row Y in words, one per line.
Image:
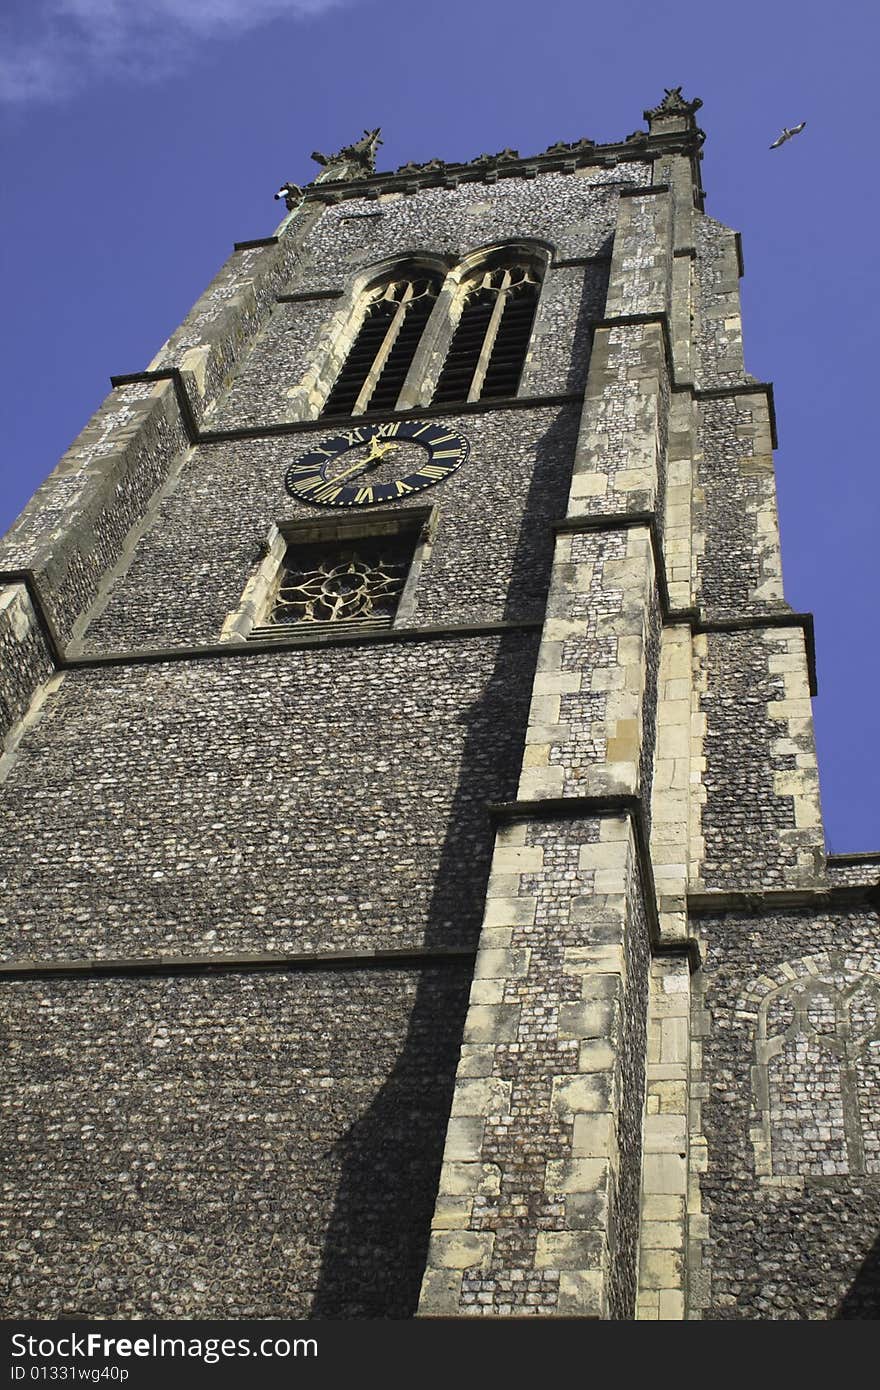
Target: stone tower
column 414, row 897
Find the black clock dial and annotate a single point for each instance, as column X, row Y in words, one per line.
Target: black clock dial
column 373, row 464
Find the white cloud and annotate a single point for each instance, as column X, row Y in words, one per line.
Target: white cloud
column 54, row 47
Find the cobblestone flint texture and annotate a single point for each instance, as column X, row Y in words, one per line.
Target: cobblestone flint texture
column 641, row 266
column 626, row 1191
column 864, row 870
column 232, row 1146
column 490, row 559
column 620, row 465
column 271, row 370
column 567, row 210
column 589, row 728
column 739, row 565
column 541, row 1167
column 323, row 799
column 650, row 695
column 232, row 310
column 793, row 1247
column 24, row 660
column 267, row 388
column 719, row 337
column 755, row 742
column 572, row 299
column 74, row 527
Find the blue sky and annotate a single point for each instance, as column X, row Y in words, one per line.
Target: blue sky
column 141, row 140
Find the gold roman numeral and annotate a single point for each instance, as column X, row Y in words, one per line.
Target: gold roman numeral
column 327, row 493
column 364, row 494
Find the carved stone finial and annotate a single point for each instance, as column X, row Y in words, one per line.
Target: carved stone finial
column 431, row 166
column 573, row 147
column 672, row 105
column 352, row 161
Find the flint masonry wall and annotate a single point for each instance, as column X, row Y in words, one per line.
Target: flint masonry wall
column 282, row 803
column 490, row 557
column 538, row 1204
column 788, row 1060
column 782, row 1188
column 257, row 809
column 294, row 828
column 225, row 1146
column 25, row 659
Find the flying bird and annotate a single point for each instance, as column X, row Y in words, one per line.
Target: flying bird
column 787, row 133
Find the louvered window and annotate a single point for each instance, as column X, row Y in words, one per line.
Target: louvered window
column 488, row 349
column 375, row 369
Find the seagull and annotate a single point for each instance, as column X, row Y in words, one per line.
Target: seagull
column 787, row 133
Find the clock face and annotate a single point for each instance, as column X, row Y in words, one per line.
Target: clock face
column 376, row 463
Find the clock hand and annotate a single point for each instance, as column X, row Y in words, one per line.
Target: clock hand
column 378, row 451
column 373, row 459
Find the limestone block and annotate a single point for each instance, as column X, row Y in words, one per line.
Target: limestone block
column 665, row 1133
column 661, row 1207
column 452, row 1213
column 593, row 1137
column 581, row 1294
column 476, row 1179
column 491, row 1023
column 476, row 1060
column 665, row 1173
column 577, row 1175
column 464, row 1140
column 661, row 1269
column 487, row 992
column 537, row 783
column 502, row 965
column 481, row 1096
column 441, row 1294
column 590, row 1092
column 525, row 859
column 568, row 1250
column 662, row 1235
column 674, row 1040
column 595, row 1055
column 671, row 1305
column 595, row 959
column 461, row 1249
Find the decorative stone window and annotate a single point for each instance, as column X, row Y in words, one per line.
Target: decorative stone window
column 488, row 348
column 816, row 1077
column 319, row 579
column 372, row 376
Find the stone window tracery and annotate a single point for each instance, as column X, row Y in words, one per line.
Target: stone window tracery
column 374, row 371
column 326, row 585
column 816, row 1078
column 488, row 348
column 355, row 575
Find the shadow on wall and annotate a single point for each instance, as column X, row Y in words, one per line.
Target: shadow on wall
column 862, row 1298
column 377, row 1240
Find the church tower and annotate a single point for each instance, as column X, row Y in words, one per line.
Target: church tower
column 414, row 896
